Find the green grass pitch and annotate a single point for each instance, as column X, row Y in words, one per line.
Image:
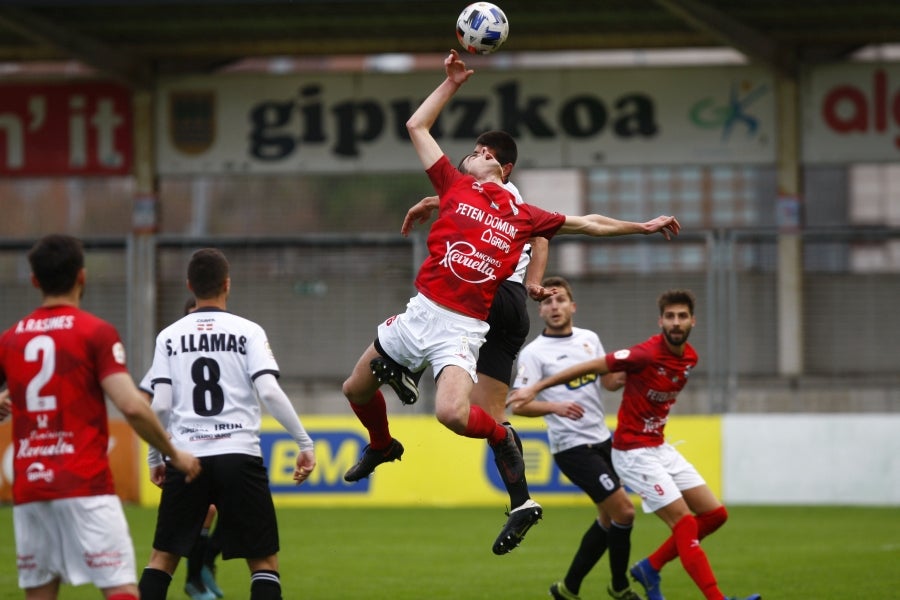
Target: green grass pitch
column 412, row 553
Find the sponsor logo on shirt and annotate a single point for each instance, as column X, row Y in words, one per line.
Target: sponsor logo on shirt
column 45, row 444
column 468, row 264
column 38, row 472
column 581, row 381
column 654, row 425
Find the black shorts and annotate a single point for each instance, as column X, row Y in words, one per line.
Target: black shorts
column 590, row 468
column 509, row 330
column 238, row 485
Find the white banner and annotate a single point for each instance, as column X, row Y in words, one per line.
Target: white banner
column 561, row 118
column 852, row 113
column 824, row 459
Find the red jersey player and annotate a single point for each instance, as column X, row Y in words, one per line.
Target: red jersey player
column 58, row 362
column 656, row 370
column 473, row 246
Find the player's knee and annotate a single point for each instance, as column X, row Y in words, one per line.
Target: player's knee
column 620, row 508
column 718, row 516
column 452, row 419
column 711, row 520
column 352, row 392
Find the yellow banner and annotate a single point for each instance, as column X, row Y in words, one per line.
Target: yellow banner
column 440, row 468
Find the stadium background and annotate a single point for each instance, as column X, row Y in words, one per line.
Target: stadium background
column 796, row 263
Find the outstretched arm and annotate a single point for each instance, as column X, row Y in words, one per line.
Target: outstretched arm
column 602, row 226
column 521, row 396
column 419, row 124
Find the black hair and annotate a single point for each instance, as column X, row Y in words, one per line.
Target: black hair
column 56, row 260
column 671, row 297
column 207, row 273
column 502, row 144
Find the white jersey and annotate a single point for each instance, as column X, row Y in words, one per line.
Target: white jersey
column 211, row 358
column 547, row 355
column 524, row 258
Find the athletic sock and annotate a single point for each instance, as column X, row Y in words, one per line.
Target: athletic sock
column 482, row 425
column 619, row 540
column 710, row 521
column 154, row 584
column 707, row 523
column 265, row 585
column 213, row 547
column 592, row 547
column 195, row 558
column 515, row 436
column 122, row 596
column 693, row 558
column 517, row 490
column 373, row 416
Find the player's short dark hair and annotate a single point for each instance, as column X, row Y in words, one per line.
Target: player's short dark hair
column 502, row 144
column 558, row 282
column 55, row 261
column 671, row 297
column 207, row 273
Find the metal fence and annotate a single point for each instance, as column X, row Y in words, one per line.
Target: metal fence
column 320, row 298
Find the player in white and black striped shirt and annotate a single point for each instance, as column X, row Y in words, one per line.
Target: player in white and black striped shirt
column 208, row 369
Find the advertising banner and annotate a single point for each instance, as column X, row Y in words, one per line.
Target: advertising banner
column 66, row 128
column 438, row 468
column 561, row 118
column 852, row 113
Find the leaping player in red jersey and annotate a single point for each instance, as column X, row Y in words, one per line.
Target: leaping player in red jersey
column 58, row 363
column 656, row 370
column 473, row 246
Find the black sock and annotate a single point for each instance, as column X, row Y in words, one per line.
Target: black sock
column 213, row 548
column 619, row 540
column 195, row 558
column 154, row 584
column 517, row 490
column 593, row 545
column 515, row 436
column 265, row 585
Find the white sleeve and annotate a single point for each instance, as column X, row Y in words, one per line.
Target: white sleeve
column 529, row 369
column 162, row 406
column 279, row 406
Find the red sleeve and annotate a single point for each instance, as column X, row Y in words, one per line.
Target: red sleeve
column 442, row 175
column 546, row 224
column 109, row 352
column 629, row 360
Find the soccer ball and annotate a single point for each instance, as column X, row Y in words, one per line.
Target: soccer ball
column 482, row 28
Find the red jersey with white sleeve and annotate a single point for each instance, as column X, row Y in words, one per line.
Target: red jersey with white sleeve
column 655, row 376
column 476, row 240
column 53, row 361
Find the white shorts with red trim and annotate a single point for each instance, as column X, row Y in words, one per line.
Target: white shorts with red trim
column 429, row 334
column 78, row 540
column 657, row 474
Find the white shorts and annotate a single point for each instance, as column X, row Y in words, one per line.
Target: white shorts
column 656, row 474
column 79, row 540
column 428, row 334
